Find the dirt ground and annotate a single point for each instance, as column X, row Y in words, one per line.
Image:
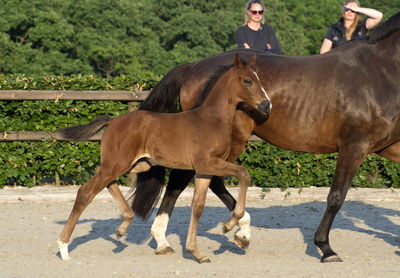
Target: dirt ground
column 366, row 235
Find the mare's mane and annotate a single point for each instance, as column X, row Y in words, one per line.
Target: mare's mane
column 385, row 29
column 210, row 84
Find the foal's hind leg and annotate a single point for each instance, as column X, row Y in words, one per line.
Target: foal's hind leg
column 126, row 211
column 86, row 193
column 125, row 208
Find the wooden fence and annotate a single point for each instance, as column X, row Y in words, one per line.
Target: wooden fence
column 126, row 96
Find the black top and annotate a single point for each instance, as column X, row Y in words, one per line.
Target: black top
column 337, row 32
column 258, row 39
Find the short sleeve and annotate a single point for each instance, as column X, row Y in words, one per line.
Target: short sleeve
column 329, row 35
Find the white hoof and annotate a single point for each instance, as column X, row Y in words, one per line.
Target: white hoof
column 63, row 247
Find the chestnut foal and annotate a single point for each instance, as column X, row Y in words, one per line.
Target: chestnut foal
column 198, row 139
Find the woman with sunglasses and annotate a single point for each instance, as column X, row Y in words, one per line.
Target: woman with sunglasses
column 254, row 33
column 350, row 26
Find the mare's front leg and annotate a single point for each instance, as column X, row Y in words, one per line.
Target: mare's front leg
column 198, row 203
column 349, row 160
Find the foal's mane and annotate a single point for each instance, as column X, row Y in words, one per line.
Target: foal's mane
column 215, row 76
column 385, row 29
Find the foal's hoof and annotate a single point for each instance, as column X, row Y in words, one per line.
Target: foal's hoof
column 203, row 259
column 241, row 242
column 331, row 259
column 63, row 247
column 119, row 234
column 165, row 251
column 226, row 227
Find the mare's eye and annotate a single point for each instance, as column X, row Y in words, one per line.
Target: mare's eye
column 247, row 82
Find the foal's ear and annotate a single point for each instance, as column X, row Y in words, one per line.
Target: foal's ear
column 238, row 62
column 252, row 62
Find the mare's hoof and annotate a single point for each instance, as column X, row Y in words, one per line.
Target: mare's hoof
column 331, row 259
column 241, row 242
column 165, row 251
column 204, row 259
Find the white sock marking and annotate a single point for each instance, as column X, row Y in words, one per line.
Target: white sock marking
column 159, row 229
column 63, row 247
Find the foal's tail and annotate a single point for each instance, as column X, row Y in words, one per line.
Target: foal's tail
column 164, row 98
column 84, row 132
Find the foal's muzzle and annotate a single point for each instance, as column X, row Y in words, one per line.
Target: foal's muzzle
column 264, row 108
column 259, row 114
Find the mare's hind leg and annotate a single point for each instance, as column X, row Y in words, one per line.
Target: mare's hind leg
column 126, row 211
column 348, row 162
column 86, row 193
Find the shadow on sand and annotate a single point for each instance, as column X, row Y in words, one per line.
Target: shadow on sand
column 274, row 217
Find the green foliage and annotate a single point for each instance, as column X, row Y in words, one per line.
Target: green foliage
column 33, row 163
column 147, row 38
column 270, row 166
column 70, row 44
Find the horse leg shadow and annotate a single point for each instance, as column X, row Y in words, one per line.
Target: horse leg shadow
column 104, row 229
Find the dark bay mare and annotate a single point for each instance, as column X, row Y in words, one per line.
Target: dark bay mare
column 345, row 101
column 198, row 139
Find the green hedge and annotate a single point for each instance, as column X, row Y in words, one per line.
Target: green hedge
column 35, row 163
column 270, row 166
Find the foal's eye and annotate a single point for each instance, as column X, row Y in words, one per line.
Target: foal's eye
column 247, row 82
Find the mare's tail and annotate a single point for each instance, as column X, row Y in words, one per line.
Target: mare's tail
column 84, row 132
column 164, row 98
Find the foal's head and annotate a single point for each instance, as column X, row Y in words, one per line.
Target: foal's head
column 249, row 89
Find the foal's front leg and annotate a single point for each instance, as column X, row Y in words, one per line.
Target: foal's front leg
column 220, row 167
column 198, row 203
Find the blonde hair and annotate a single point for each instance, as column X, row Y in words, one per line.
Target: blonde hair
column 353, row 27
column 248, row 7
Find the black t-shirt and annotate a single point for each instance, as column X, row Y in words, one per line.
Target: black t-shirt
column 337, row 32
column 258, row 39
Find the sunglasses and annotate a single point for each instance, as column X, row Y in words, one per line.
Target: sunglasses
column 257, row 12
column 348, row 9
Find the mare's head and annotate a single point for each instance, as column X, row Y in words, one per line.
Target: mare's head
column 249, row 91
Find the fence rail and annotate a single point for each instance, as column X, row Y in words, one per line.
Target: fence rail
column 16, row 95
column 73, row 95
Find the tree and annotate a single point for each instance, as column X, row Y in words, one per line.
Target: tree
column 145, row 39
